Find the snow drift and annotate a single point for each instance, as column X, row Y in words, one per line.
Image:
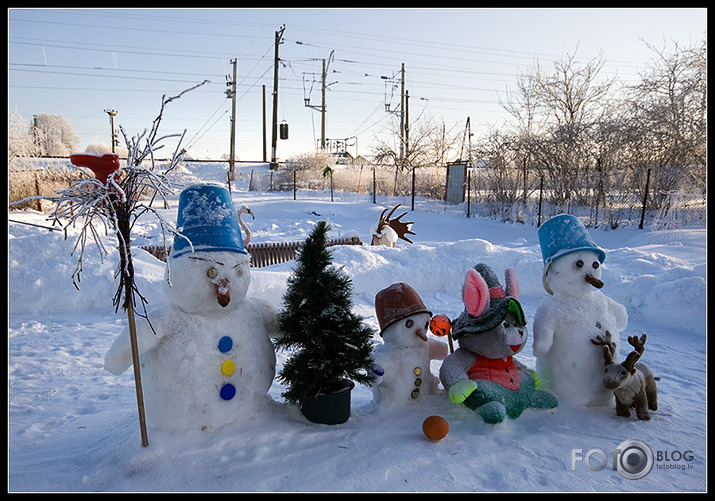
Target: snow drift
column 73, row 426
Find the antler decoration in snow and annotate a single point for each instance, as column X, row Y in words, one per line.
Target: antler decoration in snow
column 396, row 225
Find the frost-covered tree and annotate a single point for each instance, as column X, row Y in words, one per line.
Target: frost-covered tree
column 53, row 136
column 19, row 141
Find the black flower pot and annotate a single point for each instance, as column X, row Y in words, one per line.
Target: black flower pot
column 331, row 407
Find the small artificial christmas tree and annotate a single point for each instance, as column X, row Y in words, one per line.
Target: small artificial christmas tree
column 329, row 342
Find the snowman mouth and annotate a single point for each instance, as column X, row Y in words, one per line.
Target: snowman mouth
column 223, row 295
column 594, row 281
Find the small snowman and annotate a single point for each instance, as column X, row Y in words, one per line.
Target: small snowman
column 207, row 359
column 403, row 360
column 576, row 311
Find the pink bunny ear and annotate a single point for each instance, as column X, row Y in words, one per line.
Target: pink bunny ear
column 475, row 293
column 511, row 283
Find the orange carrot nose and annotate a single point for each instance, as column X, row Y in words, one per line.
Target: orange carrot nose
column 223, row 294
column 594, row 281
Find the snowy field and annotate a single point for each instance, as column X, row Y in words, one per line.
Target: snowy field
column 73, row 426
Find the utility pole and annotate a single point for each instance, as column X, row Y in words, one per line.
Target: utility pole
column 323, row 107
column 232, row 94
column 265, row 145
column 35, row 135
column 276, row 60
column 112, row 114
column 402, row 119
column 407, row 123
column 322, row 111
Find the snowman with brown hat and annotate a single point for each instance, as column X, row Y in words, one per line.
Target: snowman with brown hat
column 403, row 359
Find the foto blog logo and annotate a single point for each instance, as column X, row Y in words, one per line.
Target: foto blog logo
column 633, row 459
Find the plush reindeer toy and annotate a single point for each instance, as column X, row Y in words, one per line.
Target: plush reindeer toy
column 632, row 383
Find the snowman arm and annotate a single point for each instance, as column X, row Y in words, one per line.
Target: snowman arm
column 620, row 313
column 437, row 350
column 543, row 333
column 269, row 313
column 119, row 356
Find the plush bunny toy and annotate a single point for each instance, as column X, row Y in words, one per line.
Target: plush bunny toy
column 481, row 373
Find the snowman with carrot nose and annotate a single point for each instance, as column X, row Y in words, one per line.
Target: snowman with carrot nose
column 574, row 313
column 402, row 361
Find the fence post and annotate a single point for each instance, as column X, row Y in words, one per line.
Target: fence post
column 541, row 195
column 374, row 185
column 645, row 200
column 294, row 184
column 37, row 189
column 469, row 191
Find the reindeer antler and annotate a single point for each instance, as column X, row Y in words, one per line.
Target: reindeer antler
column 609, row 347
column 632, row 358
column 401, row 228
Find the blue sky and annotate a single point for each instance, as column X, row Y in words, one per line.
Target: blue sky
column 459, row 63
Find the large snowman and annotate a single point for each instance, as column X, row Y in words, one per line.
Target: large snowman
column 403, row 360
column 576, row 312
column 206, row 356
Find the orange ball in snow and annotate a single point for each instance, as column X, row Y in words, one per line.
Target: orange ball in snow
column 435, row 427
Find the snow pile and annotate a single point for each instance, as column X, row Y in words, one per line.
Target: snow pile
column 73, row 426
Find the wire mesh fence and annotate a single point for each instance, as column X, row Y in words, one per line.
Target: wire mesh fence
column 620, row 197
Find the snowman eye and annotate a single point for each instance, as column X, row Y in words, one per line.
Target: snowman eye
column 409, row 323
column 239, row 271
column 596, row 264
column 212, row 272
column 579, row 264
column 426, row 325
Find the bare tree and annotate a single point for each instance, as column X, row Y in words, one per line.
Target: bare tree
column 430, row 143
column 670, row 109
column 19, row 140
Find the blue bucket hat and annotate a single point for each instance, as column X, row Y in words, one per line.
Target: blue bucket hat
column 564, row 234
column 207, row 221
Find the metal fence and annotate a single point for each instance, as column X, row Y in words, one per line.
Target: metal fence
column 624, row 197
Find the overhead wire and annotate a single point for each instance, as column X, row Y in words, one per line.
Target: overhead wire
column 388, row 57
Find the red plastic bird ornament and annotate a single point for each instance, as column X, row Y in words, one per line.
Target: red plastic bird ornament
column 102, row 167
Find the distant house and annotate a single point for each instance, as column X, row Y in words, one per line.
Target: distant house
column 345, row 158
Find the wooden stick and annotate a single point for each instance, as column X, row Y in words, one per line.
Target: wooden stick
column 137, row 372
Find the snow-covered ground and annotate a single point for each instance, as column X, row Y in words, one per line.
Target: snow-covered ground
column 74, row 426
